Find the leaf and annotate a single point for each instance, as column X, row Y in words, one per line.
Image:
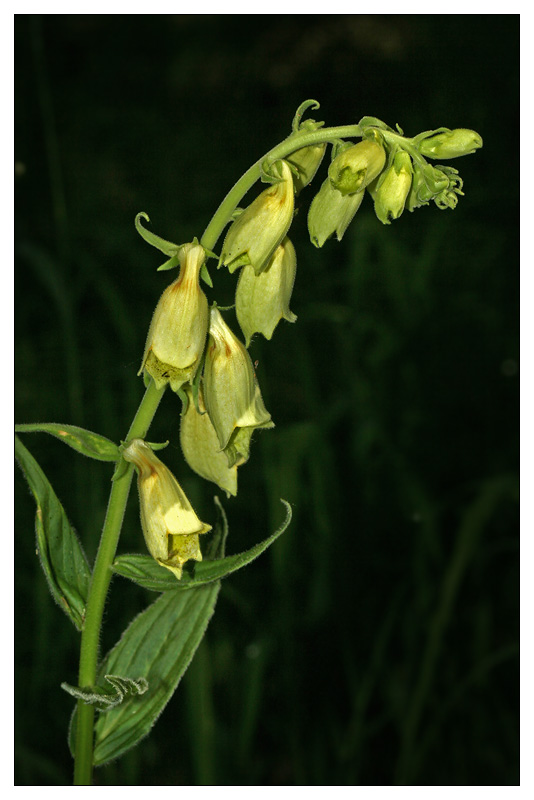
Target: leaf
column 85, row 442
column 145, row 571
column 62, row 558
column 104, row 698
column 157, row 646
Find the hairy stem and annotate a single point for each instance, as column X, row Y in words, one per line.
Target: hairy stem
column 83, row 763
column 102, row 574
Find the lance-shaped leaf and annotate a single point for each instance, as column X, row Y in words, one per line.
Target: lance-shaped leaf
column 62, row 558
column 158, row 647
column 147, row 573
column 85, row 442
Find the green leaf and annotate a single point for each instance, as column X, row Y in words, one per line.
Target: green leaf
column 85, row 442
column 62, row 558
column 157, row 646
column 145, row 571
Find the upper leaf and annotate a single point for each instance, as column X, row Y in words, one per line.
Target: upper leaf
column 146, row 572
column 62, row 558
column 85, row 442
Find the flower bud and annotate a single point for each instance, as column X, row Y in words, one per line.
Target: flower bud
column 451, row 144
column 262, row 300
column 331, row 212
column 259, row 229
column 392, row 188
column 201, row 448
column 354, row 168
column 231, row 392
column 306, row 161
column 177, row 333
column 170, row 526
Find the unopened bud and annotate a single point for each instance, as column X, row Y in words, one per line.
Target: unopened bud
column 354, row 169
column 392, row 188
column 259, row 229
column 306, row 161
column 262, row 300
column 451, row 144
column 170, row 526
column 331, row 212
column 231, row 392
column 201, row 448
column 177, row 333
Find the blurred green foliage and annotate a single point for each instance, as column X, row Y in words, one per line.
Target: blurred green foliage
column 376, row 643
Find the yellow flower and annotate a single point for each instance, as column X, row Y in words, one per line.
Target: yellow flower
column 259, row 229
column 354, row 168
column 392, row 188
column 261, row 301
column 201, row 448
column 177, row 333
column 231, row 392
column 331, row 212
column 170, row 526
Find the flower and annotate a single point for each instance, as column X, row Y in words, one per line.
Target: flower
column 451, row 144
column 331, row 212
column 263, row 300
column 306, row 161
column 231, row 392
column 201, row 448
column 259, row 229
column 355, row 167
column 170, row 526
column 392, row 188
column 177, row 333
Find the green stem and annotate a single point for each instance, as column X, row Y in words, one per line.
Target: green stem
column 83, row 764
column 294, row 142
column 83, row 758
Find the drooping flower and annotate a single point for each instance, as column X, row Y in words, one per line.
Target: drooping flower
column 170, row 526
column 201, row 447
column 357, row 166
column 231, row 392
column 177, row 333
column 263, row 300
column 258, row 230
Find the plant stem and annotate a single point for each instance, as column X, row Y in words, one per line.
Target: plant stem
column 290, row 145
column 83, row 758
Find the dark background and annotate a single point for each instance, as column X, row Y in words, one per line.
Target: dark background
column 376, row 643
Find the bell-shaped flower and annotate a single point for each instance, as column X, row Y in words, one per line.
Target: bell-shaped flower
column 450, row 144
column 357, row 166
column 177, row 333
column 170, row 526
column 331, row 212
column 231, row 392
column 261, row 301
column 258, row 230
column 201, row 448
column 391, row 189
